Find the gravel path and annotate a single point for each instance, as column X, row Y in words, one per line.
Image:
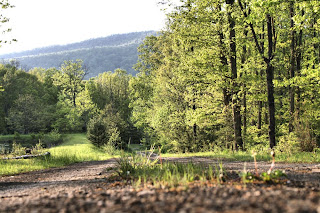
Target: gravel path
column 87, row 187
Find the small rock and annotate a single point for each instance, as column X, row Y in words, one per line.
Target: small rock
column 145, row 193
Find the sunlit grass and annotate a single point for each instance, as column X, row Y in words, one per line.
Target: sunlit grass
column 75, row 149
column 298, row 157
column 78, row 148
column 224, row 155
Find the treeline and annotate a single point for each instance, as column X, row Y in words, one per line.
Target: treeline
column 59, row 100
column 241, row 74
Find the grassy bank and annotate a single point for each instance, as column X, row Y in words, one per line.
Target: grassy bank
column 76, row 148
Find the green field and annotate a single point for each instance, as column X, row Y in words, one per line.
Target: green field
column 76, row 148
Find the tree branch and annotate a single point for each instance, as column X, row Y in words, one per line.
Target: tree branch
column 252, row 31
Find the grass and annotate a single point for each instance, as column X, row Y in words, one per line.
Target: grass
column 141, row 170
column 225, row 155
column 76, row 149
column 298, row 157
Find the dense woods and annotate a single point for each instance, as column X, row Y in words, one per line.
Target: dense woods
column 236, row 74
column 241, row 74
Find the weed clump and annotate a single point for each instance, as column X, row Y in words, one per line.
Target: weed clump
column 271, row 176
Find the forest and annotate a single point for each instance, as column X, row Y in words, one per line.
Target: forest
column 240, row 75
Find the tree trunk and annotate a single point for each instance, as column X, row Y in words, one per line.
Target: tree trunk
column 269, row 71
column 292, row 66
column 243, row 61
column 271, row 106
column 259, row 126
column 270, row 86
column 235, row 87
column 298, row 68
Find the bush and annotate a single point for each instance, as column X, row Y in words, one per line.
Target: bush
column 53, row 138
column 17, row 149
column 97, row 133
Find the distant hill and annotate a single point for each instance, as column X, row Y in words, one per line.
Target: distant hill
column 99, row 54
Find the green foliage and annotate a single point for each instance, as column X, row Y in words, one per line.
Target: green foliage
column 17, row 149
column 27, row 115
column 192, row 85
column 97, row 133
column 108, row 128
column 273, row 177
column 76, row 148
column 38, row 148
column 185, row 94
column 111, row 125
column 52, row 138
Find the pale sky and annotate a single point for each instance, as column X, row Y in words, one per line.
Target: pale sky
column 38, row 23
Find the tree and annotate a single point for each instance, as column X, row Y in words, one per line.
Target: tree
column 27, row 115
column 234, row 77
column 17, row 83
column 70, row 79
column 271, row 38
column 110, row 93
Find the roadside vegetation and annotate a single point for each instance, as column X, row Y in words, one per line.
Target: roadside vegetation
column 76, row 148
column 147, row 171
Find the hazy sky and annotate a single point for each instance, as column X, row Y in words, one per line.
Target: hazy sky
column 38, row 23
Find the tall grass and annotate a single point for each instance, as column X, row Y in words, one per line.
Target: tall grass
column 75, row 149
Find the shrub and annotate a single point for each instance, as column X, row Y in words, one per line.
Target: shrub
column 108, row 127
column 52, row 138
column 17, row 149
column 97, row 133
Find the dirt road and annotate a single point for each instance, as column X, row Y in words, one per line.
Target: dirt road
column 86, row 187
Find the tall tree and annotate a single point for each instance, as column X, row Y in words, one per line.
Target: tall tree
column 234, row 77
column 71, row 79
column 271, row 38
column 292, row 62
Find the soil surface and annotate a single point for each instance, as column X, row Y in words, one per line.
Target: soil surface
column 88, row 187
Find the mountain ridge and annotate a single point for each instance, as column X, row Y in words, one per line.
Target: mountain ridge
column 98, row 54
